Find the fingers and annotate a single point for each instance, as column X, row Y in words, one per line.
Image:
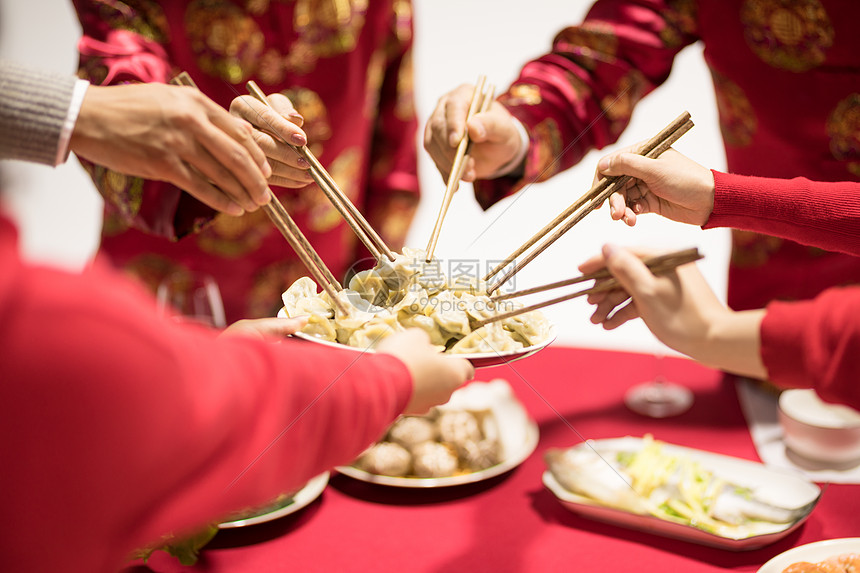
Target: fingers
column 629, row 270
column 626, row 163
column 241, row 132
column 434, row 376
column 277, row 133
column 619, row 210
column 606, row 305
column 456, row 109
column 269, row 119
column 222, row 170
column 266, row 327
column 445, row 129
column 622, row 315
column 230, row 166
column 186, row 177
column 282, row 104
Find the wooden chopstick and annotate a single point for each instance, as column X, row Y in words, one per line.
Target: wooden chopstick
column 481, row 102
column 291, row 232
column 353, row 217
column 590, row 201
column 659, row 265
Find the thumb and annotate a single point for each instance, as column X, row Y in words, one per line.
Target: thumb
column 631, row 273
column 628, row 164
column 494, row 126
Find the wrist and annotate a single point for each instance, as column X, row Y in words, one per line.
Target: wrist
column 515, row 164
column 733, row 343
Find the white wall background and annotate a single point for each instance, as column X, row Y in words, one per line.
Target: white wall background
column 456, row 40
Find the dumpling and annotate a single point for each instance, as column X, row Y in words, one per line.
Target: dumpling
column 467, row 284
column 409, row 431
column 385, row 458
column 374, row 331
column 530, row 328
column 428, row 325
column 301, row 299
column 478, row 307
column 432, row 459
column 320, row 327
column 370, row 286
column 358, row 313
column 490, row 338
column 449, row 315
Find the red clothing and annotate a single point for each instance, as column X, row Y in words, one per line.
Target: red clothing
column 824, row 215
column 786, row 80
column 345, row 65
column 813, row 343
column 117, row 426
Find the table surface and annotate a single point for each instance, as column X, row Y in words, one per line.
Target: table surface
column 512, row 522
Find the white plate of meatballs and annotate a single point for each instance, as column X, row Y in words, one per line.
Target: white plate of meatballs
column 482, row 432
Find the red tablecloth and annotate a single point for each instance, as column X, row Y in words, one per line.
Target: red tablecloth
column 512, row 523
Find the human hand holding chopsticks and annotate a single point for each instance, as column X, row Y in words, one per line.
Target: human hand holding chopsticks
column 169, row 134
column 680, row 309
column 278, row 125
column 495, row 137
column 672, row 185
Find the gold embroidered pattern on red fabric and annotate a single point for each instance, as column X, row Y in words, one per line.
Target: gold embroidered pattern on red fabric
column 791, row 35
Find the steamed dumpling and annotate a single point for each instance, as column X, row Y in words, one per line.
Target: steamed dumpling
column 320, row 327
column 449, row 315
column 371, row 286
column 491, row 338
column 530, row 328
column 374, row 331
column 301, row 299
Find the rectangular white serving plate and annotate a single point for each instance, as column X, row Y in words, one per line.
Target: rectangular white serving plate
column 776, row 486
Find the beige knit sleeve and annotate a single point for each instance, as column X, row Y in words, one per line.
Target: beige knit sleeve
column 33, row 107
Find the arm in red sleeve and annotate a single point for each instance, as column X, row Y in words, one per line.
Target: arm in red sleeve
column 393, row 191
column 816, row 344
column 118, row 426
column 819, row 214
column 581, row 95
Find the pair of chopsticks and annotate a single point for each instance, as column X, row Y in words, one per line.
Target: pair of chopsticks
column 335, row 195
column 604, row 281
column 291, row 232
column 481, row 101
column 590, row 201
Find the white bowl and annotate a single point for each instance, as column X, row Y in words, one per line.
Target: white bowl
column 817, row 430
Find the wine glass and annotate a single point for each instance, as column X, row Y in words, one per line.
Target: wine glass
column 192, row 297
column 659, row 398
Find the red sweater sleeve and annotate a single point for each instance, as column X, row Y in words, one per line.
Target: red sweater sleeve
column 118, row 426
column 824, row 215
column 814, row 344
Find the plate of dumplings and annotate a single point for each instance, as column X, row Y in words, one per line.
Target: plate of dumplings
column 413, row 293
column 483, row 431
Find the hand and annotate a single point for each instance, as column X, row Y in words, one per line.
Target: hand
column 264, row 328
column 672, row 185
column 281, row 120
column 680, row 309
column 495, row 138
column 434, row 375
column 173, row 134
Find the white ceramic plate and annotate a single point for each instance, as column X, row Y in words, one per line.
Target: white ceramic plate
column 518, row 434
column 482, row 360
column 783, row 488
column 312, row 490
column 812, row 553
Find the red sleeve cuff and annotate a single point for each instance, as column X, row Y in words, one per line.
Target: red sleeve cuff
column 782, row 333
